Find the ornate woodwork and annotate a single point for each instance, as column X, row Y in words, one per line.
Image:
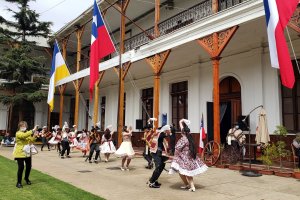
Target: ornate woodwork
column 294, row 22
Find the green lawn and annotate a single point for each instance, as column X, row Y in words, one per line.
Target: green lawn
column 43, row 186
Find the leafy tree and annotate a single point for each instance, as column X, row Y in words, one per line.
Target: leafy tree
column 19, row 63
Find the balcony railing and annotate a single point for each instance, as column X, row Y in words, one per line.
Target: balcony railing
column 182, row 19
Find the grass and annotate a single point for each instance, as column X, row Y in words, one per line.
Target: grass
column 43, row 186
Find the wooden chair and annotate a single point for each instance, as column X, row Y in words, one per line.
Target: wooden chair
column 295, row 157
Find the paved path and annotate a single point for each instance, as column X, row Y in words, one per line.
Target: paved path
column 108, row 181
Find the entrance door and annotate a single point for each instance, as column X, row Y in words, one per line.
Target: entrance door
column 230, row 104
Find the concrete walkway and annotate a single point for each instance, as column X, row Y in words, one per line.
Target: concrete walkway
column 108, row 181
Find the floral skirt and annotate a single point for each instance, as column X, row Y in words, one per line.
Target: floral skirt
column 188, row 167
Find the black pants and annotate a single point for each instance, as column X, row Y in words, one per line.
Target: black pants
column 147, row 156
column 94, row 147
column 45, row 142
column 160, row 164
column 298, row 154
column 65, row 146
column 172, row 143
column 21, row 168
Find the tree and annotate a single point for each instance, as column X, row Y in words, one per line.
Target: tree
column 19, row 63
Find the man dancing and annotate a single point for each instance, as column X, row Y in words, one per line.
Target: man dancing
column 158, row 149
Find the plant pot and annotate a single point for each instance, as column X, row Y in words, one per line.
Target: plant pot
column 266, row 172
column 296, row 175
column 223, row 166
column 236, row 167
column 283, row 174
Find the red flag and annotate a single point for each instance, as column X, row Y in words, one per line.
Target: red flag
column 278, row 14
column 202, row 136
column 101, row 46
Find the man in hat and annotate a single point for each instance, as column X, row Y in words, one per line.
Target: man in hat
column 65, row 141
column 159, row 149
column 45, row 136
column 296, row 144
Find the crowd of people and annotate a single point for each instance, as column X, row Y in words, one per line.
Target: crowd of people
column 157, row 149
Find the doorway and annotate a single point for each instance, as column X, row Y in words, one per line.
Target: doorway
column 230, row 105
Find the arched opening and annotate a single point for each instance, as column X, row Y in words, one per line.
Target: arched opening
column 22, row 112
column 230, row 105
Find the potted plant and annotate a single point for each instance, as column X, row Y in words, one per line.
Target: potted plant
column 281, row 151
column 297, row 173
column 269, row 153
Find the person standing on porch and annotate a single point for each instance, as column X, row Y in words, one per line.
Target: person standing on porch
column 186, row 162
column 296, row 144
column 23, row 137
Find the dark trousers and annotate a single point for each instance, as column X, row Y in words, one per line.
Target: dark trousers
column 21, row 168
column 65, row 146
column 58, row 147
column 298, row 154
column 45, row 142
column 94, row 147
column 147, row 156
column 172, row 143
column 160, row 164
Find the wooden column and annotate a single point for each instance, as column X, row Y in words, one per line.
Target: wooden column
column 214, row 44
column 78, row 83
column 62, row 89
column 157, row 17
column 96, row 98
column 124, row 70
column 122, row 6
column 157, row 62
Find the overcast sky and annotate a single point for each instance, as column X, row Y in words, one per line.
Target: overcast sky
column 59, row 12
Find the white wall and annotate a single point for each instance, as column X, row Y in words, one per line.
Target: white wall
column 3, row 116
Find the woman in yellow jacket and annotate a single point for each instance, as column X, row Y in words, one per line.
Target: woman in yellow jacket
column 23, row 137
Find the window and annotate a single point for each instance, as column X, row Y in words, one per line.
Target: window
column 87, row 115
column 291, row 104
column 147, row 104
column 179, row 98
column 103, row 102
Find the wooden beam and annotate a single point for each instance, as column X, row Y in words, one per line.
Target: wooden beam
column 214, row 45
column 96, row 98
column 157, row 63
column 64, row 46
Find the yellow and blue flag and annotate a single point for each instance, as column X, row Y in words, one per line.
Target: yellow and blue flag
column 59, row 70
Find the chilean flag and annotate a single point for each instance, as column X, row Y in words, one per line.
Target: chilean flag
column 278, row 14
column 101, row 46
column 202, row 136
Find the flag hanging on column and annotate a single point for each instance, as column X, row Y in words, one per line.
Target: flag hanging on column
column 202, row 136
column 59, row 70
column 101, row 46
column 278, row 14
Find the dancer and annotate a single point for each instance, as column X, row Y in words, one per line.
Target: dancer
column 65, row 142
column 56, row 139
column 45, row 135
column 125, row 150
column 94, row 143
column 107, row 145
column 148, row 135
column 83, row 143
column 159, row 149
column 186, row 162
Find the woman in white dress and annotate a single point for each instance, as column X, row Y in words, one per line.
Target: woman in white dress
column 107, row 145
column 126, row 151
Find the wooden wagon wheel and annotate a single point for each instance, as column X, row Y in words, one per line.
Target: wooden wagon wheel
column 211, row 153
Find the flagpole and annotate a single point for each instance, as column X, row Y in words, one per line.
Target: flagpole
column 293, row 50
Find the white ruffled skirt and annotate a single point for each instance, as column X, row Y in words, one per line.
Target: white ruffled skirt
column 108, row 147
column 125, row 150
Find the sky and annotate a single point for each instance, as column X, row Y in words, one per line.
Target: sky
column 59, row 12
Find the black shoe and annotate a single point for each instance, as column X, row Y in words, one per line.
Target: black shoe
column 62, row 157
column 68, row 156
column 152, row 185
column 90, row 161
column 19, row 185
column 28, row 182
column 49, row 150
column 41, row 149
column 157, row 183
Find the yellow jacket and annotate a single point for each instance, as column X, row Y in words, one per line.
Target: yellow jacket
column 22, row 138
